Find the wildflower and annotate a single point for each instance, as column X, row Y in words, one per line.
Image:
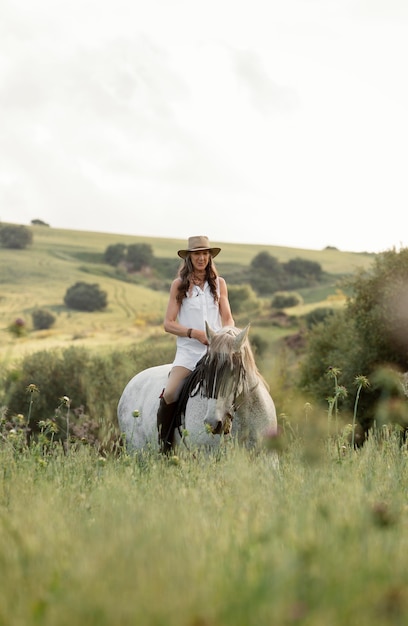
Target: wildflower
column 333, row 372
column 362, row 381
column 341, row 391
column 17, row 327
column 32, row 388
column 136, row 413
column 66, row 401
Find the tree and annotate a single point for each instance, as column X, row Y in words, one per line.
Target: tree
column 42, row 319
column 285, row 300
column 139, row 255
column 37, row 222
column 265, row 273
column 309, row 271
column 370, row 333
column 242, row 298
column 115, row 254
column 16, row 237
column 85, row 297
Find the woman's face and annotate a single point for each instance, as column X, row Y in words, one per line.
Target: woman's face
column 200, row 259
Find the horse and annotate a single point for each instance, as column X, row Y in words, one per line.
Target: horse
column 224, row 395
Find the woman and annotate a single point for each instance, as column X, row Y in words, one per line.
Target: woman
column 197, row 295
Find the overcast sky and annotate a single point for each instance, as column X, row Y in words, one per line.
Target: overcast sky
column 281, row 122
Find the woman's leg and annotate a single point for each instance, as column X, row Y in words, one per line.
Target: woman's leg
column 168, row 405
column 174, row 383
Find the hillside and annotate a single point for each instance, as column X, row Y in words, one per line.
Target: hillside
column 40, row 275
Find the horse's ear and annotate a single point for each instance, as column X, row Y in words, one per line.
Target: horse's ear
column 239, row 339
column 209, row 332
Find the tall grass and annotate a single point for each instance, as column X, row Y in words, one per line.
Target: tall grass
column 218, row 540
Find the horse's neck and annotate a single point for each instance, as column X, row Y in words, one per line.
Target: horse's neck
column 256, row 399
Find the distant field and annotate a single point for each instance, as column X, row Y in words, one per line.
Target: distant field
column 40, row 275
column 71, row 242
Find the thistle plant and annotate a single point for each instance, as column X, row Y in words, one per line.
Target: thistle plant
column 31, row 389
column 362, row 382
column 18, row 327
column 65, row 401
column 339, row 392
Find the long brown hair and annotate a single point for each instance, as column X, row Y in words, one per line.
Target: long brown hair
column 187, row 270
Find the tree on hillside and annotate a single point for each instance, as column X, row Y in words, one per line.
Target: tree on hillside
column 310, row 271
column 37, row 222
column 265, row 273
column 115, row 254
column 139, row 255
column 136, row 255
column 85, row 297
column 371, row 332
column 15, row 237
column 42, row 319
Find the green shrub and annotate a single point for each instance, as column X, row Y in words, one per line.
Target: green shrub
column 115, row 254
column 285, row 300
column 16, row 237
column 139, row 255
column 92, row 382
column 17, row 327
column 42, row 319
column 317, row 315
column 369, row 333
column 242, row 298
column 85, row 297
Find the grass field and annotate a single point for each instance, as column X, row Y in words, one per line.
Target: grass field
column 227, row 539
column 223, row 540
column 40, row 275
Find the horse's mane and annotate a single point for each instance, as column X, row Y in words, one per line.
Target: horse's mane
column 221, row 371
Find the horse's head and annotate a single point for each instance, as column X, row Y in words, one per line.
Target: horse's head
column 224, row 375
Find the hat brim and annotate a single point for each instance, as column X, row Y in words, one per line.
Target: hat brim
column 213, row 251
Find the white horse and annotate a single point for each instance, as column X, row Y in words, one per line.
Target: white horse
column 224, row 395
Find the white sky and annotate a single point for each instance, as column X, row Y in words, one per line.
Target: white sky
column 281, row 122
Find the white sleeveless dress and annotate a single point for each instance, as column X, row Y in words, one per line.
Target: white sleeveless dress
column 197, row 308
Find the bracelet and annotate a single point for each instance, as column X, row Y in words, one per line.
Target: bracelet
column 190, row 330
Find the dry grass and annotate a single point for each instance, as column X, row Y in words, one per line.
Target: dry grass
column 39, row 276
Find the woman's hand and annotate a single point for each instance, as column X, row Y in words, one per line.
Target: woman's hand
column 200, row 335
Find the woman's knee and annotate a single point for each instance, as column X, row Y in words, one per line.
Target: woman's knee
column 175, row 384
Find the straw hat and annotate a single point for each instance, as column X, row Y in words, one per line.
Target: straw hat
column 197, row 243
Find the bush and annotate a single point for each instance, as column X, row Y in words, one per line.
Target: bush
column 37, row 222
column 85, row 297
column 242, row 298
column 285, row 300
column 16, row 237
column 93, row 383
column 372, row 331
column 115, row 254
column 42, row 319
column 259, row 345
column 139, row 255
column 311, row 271
column 317, row 315
column 265, row 273
column 18, row 327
